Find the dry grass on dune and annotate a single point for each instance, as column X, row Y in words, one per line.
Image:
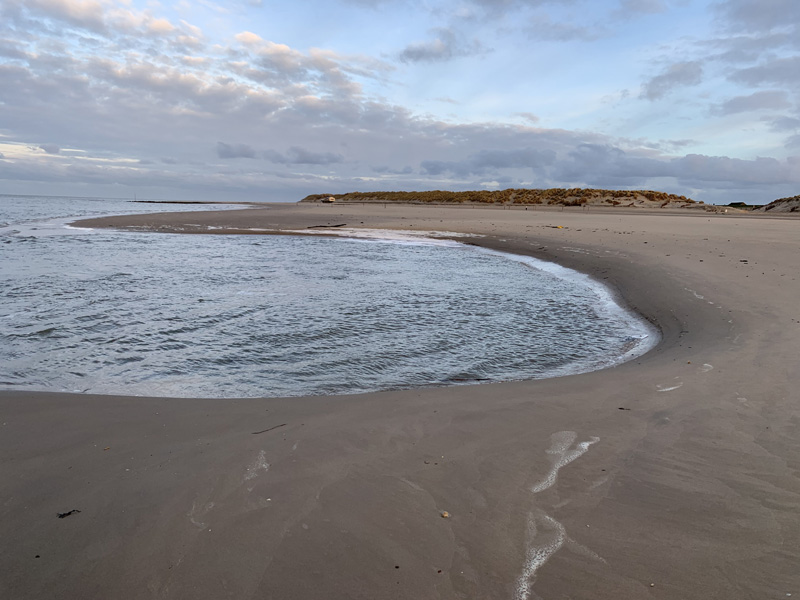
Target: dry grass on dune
column 554, row 196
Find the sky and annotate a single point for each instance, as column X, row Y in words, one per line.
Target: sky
column 264, row 100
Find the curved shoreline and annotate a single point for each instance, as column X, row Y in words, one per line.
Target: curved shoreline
column 636, row 335
column 590, row 486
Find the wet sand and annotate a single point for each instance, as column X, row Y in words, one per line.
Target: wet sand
column 675, row 475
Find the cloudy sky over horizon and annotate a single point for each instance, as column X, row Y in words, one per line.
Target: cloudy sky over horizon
column 271, row 101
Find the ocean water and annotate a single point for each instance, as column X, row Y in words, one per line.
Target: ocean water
column 249, row 316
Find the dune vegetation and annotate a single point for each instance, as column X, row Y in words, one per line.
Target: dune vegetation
column 554, row 196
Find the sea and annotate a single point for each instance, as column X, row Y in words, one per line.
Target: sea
column 228, row 316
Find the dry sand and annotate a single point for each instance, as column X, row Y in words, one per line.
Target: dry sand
column 676, row 475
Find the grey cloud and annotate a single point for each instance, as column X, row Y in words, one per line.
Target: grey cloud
column 369, row 3
column 10, row 49
column 129, row 103
column 523, row 158
column 167, row 160
column 446, row 46
column 777, row 71
column 235, row 150
column 530, row 117
column 499, row 7
column 629, row 7
column 2, row 156
column 784, row 123
column 542, row 28
column 747, row 15
column 50, row 148
column 677, row 75
column 702, row 168
column 484, row 160
column 386, row 169
column 300, row 156
column 767, row 100
column 750, row 47
column 437, row 167
column 608, row 166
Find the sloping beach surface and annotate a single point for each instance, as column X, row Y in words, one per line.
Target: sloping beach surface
column 675, row 475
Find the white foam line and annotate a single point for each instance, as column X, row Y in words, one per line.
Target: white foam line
column 706, row 368
column 260, row 464
column 541, row 547
column 199, row 513
column 646, row 336
column 695, row 294
column 660, row 388
column 560, row 448
column 427, row 238
column 538, row 554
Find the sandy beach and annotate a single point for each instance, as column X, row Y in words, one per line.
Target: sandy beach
column 675, row 475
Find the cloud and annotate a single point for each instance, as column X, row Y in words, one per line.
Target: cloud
column 784, row 123
column 500, row 7
column 767, row 100
column 530, row 117
column 485, row 160
column 235, row 150
column 680, row 74
column 136, row 107
column 749, row 48
column 88, row 14
column 300, row 156
column 746, row 15
column 542, row 28
column 647, row 7
column 50, row 148
column 780, row 71
column 389, row 170
column 761, row 170
column 102, row 17
column 446, row 46
column 604, row 165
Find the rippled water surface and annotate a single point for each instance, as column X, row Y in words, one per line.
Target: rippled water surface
column 234, row 316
